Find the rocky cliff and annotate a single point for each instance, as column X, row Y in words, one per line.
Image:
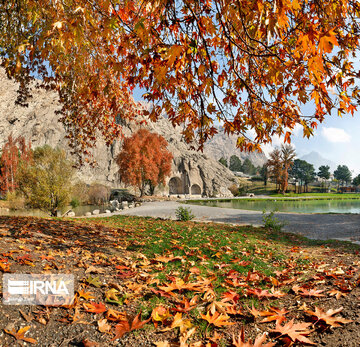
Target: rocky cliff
column 192, row 172
column 222, row 145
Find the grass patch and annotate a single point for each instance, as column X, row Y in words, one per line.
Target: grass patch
column 162, row 268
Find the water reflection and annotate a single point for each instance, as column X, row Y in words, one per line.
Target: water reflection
column 299, row 206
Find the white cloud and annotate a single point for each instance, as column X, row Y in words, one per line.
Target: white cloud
column 298, row 129
column 277, row 141
column 335, row 135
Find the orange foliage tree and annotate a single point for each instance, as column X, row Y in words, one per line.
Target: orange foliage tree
column 251, row 64
column 279, row 164
column 12, row 153
column 144, row 160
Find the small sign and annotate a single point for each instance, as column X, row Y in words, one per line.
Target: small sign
column 38, row 289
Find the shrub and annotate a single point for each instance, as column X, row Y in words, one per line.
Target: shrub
column 184, row 214
column 99, row 194
column 15, row 201
column 272, row 222
column 75, row 202
column 234, row 189
column 80, row 191
column 257, row 179
column 243, row 189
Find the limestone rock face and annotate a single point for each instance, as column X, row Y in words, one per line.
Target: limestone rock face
column 192, row 172
column 222, row 145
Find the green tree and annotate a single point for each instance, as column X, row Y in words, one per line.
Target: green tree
column 342, row 174
column 324, row 173
column 235, row 163
column 356, row 180
column 303, row 172
column 248, row 167
column 46, row 180
column 223, row 161
column 264, row 174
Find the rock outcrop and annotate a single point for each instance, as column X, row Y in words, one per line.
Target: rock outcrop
column 192, row 172
column 222, row 145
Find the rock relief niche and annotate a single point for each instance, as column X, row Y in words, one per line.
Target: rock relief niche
column 175, row 186
column 195, row 189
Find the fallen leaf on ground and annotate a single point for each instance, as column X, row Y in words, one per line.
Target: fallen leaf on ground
column 94, row 307
column 20, row 335
column 295, row 331
column 259, row 341
column 328, row 316
column 216, row 319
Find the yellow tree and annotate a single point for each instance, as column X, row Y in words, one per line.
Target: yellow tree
column 251, row 64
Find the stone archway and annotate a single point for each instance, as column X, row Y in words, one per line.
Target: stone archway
column 195, row 189
column 175, row 186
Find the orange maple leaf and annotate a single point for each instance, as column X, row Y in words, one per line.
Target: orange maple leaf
column 296, row 332
column 94, row 307
column 216, row 319
column 259, row 341
column 85, row 295
column 328, row 316
column 337, row 293
column 124, row 327
column 274, row 314
column 20, row 335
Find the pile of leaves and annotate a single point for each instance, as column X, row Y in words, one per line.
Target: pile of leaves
column 142, row 281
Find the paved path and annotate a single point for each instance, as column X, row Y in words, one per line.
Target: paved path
column 315, row 226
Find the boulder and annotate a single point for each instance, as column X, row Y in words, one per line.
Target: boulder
column 107, row 211
column 88, row 214
column 95, row 212
column 71, row 214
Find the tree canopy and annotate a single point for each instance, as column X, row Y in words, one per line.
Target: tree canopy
column 46, row 180
column 250, row 64
column 13, row 152
column 324, row 172
column 303, row 172
column 279, row 164
column 235, row 163
column 144, row 160
column 248, row 167
column 223, row 161
column 342, row 174
column 356, row 180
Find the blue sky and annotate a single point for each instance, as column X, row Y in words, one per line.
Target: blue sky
column 336, row 139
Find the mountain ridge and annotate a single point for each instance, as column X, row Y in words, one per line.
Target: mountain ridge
column 318, row 160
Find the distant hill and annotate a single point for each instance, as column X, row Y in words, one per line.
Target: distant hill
column 222, row 145
column 317, row 160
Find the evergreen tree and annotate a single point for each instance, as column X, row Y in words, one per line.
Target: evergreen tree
column 235, row 163
column 223, row 161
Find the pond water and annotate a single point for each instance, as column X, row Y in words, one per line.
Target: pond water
column 297, row 206
column 79, row 211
